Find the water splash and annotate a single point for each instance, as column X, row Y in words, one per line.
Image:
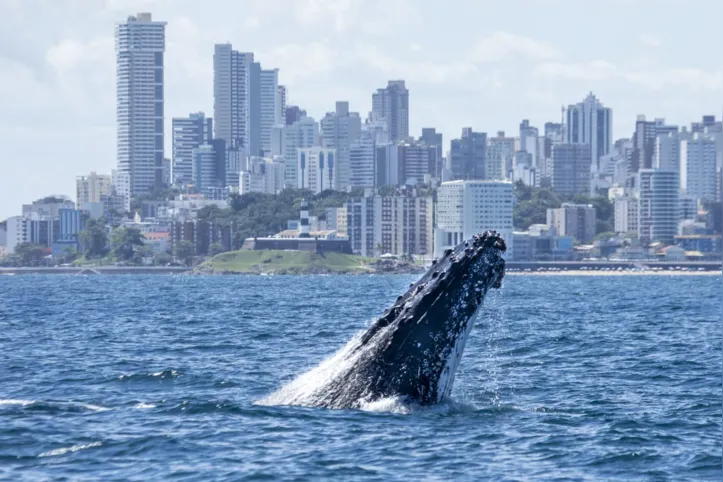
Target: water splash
column 309, row 388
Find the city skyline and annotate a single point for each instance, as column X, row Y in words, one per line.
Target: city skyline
column 70, row 74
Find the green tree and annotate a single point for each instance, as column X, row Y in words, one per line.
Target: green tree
column 215, row 248
column 387, row 190
column 162, row 259
column 29, row 254
column 604, row 236
column 125, row 242
column 70, row 254
column 185, row 251
column 94, row 238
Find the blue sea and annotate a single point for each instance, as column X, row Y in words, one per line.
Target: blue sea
column 157, row 377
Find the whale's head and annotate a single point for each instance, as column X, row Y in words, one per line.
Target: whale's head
column 419, row 341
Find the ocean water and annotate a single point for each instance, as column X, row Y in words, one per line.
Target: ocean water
column 156, row 377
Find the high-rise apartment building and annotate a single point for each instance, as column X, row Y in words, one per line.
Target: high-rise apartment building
column 90, row 188
column 140, row 44
column 570, row 168
column 529, row 141
column 658, row 193
column 468, row 155
column 231, row 91
column 589, row 123
column 317, row 169
column 667, row 152
column 339, row 129
column 698, row 167
column 209, row 166
column 432, row 138
column 281, row 103
column 500, row 157
column 269, row 107
column 392, row 105
column 465, row 208
column 399, row 225
column 301, row 134
column 188, row 134
column 362, row 161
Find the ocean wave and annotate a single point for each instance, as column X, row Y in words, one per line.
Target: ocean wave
column 72, row 449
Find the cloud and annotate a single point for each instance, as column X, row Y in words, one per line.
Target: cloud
column 688, row 78
column 310, row 12
column 649, row 40
column 501, row 46
column 419, row 71
column 128, row 5
column 298, row 61
column 595, row 70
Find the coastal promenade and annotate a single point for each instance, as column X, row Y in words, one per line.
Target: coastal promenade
column 521, row 267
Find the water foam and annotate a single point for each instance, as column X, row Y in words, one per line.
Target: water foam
column 24, row 403
column 66, row 450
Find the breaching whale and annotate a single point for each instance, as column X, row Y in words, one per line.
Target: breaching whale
column 412, row 351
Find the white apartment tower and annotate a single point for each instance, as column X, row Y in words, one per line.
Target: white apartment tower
column 302, row 134
column 398, row 225
column 667, row 152
column 658, row 205
column 362, row 161
column 231, row 90
column 698, row 175
column 90, row 188
column 270, row 113
column 339, row 129
column 465, row 208
column 140, row 44
column 392, row 105
column 317, row 169
column 588, row 122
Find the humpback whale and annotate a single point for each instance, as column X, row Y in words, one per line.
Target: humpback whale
column 412, row 351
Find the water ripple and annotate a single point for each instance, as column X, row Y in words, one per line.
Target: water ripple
column 157, row 377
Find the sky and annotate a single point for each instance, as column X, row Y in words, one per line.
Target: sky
column 485, row 64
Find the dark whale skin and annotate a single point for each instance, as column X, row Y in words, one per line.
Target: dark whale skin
column 412, row 350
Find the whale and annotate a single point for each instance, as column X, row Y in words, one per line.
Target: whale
column 413, row 350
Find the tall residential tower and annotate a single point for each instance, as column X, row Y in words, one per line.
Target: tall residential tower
column 140, row 44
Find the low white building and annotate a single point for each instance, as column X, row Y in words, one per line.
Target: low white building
column 626, row 214
column 466, row 208
column 576, row 220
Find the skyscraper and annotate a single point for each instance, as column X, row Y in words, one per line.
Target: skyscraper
column 188, row 133
column 339, row 129
column 269, row 104
column 658, row 205
column 392, row 105
column 570, row 168
column 499, row 156
column 432, row 138
column 231, row 89
column 588, row 122
column 140, row 44
column 698, row 167
column 301, row 134
column 468, row 155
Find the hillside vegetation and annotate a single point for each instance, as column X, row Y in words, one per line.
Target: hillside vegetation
column 285, row 262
